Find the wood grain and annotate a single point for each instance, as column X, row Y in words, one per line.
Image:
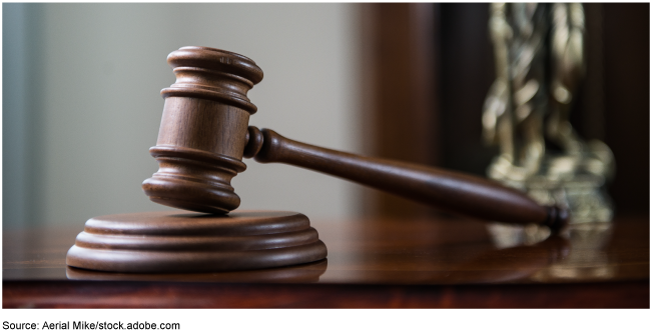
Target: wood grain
column 372, row 263
column 203, row 130
column 181, row 295
column 180, row 243
column 453, row 191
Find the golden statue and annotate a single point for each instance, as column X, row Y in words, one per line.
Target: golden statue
column 539, row 52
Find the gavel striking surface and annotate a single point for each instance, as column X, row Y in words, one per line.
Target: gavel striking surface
column 189, row 242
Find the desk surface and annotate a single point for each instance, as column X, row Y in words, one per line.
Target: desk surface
column 371, row 263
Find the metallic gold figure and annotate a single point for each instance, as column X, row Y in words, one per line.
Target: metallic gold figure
column 539, row 54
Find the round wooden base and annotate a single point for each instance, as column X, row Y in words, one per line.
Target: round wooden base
column 303, row 273
column 173, row 242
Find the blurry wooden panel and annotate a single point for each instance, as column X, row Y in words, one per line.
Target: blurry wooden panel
column 399, row 93
column 466, row 73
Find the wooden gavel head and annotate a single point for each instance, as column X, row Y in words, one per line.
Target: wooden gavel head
column 203, row 131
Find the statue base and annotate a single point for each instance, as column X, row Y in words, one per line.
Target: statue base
column 575, row 181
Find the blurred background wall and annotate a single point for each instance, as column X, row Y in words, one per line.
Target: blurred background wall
column 81, row 102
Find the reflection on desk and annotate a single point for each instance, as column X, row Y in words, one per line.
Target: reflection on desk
column 372, row 263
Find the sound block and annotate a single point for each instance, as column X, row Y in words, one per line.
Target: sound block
column 177, row 242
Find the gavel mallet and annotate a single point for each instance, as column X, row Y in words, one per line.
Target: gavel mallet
column 203, row 136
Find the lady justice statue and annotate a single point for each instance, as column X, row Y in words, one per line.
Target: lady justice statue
column 539, row 52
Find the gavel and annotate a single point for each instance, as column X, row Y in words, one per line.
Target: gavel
column 204, row 135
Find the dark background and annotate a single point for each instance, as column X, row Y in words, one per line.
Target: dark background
column 446, row 48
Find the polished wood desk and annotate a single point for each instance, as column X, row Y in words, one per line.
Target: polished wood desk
column 436, row 263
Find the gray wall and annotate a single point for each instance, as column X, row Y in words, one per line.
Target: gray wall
column 81, row 103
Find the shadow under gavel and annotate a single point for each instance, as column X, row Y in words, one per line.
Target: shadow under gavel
column 204, row 135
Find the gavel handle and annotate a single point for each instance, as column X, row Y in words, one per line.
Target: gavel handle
column 465, row 194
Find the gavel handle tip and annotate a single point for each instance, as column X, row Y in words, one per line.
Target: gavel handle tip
column 557, row 219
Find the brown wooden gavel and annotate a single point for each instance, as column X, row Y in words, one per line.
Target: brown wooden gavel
column 204, row 134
